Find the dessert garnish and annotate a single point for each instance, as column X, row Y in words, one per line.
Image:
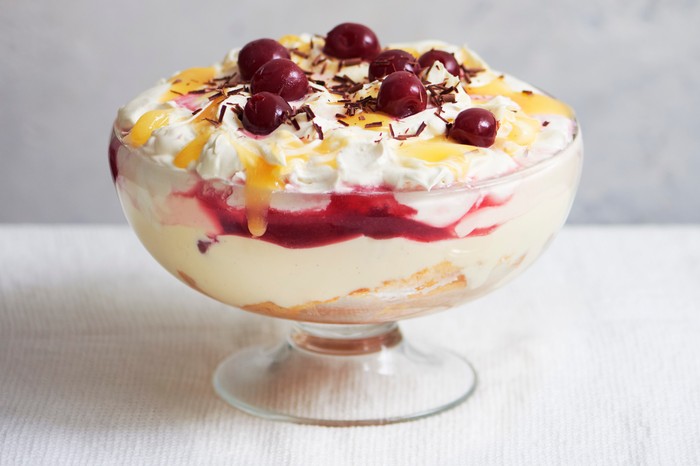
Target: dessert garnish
column 402, row 94
column 255, row 54
column 390, row 61
column 474, row 126
column 447, row 59
column 339, row 114
column 352, row 40
column 280, row 76
column 264, row 112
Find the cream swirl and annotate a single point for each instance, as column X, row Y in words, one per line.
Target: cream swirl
column 192, row 122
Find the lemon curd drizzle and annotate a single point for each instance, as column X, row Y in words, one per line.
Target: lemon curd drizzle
column 146, row 124
column 262, row 178
column 530, row 102
column 373, row 121
column 187, row 81
column 434, row 150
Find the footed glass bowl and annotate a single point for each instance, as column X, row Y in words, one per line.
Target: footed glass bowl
column 346, row 268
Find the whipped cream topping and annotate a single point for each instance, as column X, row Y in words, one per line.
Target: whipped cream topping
column 191, row 122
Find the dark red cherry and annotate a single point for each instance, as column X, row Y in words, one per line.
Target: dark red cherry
column 402, row 94
column 255, row 54
column 428, row 58
column 392, row 60
column 264, row 112
column 282, row 77
column 475, row 126
column 351, row 40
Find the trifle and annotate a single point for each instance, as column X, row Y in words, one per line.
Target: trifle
column 346, row 185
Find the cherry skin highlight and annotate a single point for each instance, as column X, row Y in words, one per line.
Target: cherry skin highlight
column 352, row 40
column 264, row 112
column 390, row 61
column 475, row 126
column 428, row 58
column 402, row 94
column 255, row 54
column 282, row 77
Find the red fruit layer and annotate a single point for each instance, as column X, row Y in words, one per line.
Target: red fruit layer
column 114, row 145
column 347, row 216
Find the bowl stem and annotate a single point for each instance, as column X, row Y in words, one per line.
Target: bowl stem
column 344, row 375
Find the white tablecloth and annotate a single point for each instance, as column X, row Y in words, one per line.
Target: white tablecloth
column 591, row 357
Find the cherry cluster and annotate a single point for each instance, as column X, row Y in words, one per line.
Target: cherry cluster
column 275, row 79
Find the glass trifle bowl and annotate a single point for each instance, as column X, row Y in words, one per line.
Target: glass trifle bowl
column 344, row 264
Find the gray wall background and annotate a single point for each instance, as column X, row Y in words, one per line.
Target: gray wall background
column 631, row 69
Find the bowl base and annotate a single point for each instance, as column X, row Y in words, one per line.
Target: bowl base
column 344, row 375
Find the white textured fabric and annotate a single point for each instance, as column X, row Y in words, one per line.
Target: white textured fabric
column 591, row 357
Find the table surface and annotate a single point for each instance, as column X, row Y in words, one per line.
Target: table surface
column 591, row 357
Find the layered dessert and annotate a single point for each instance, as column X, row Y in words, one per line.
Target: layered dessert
column 333, row 179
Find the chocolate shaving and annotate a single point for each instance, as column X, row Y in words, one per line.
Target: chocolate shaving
column 374, row 124
column 527, row 92
column 350, row 62
column 354, row 88
column 437, row 114
column 222, row 111
column 545, row 123
column 404, row 136
column 309, row 113
column 318, row 60
column 213, row 122
column 345, row 85
column 295, row 123
column 342, row 122
column 340, row 115
column 197, row 111
column 224, row 78
column 468, row 73
column 319, row 131
column 471, row 71
column 343, row 79
column 440, row 94
column 175, row 92
column 236, row 108
column 368, row 104
column 236, row 90
column 299, row 53
column 391, row 130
